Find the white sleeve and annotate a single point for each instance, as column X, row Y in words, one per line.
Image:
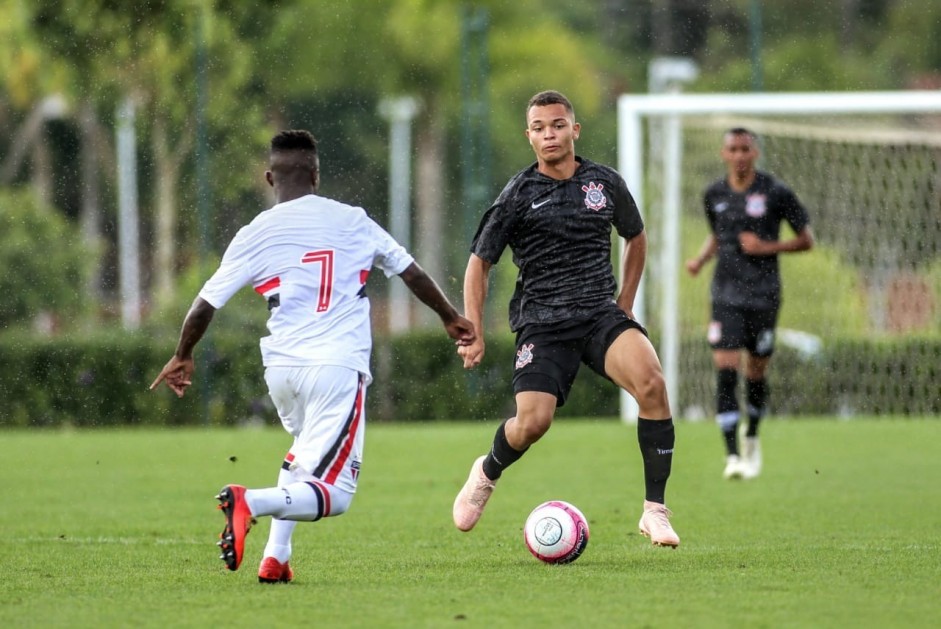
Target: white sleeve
column 233, row 273
column 391, row 257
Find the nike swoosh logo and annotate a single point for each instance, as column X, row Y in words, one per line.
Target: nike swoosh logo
column 537, row 205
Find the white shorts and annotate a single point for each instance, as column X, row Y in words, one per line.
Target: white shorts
column 324, row 409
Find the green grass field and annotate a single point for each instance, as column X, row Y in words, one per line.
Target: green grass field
column 117, row 528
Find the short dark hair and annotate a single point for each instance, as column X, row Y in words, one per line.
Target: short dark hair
column 550, row 97
column 742, row 131
column 294, row 140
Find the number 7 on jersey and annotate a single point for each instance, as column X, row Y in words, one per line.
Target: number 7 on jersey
column 325, row 259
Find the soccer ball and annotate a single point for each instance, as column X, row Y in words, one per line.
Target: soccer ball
column 556, row 532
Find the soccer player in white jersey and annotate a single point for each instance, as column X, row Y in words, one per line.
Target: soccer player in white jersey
column 308, row 257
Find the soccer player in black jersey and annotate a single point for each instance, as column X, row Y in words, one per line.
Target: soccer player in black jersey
column 556, row 217
column 745, row 210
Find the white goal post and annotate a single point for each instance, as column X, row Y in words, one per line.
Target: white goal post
column 669, row 111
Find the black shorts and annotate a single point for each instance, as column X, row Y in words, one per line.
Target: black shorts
column 548, row 355
column 743, row 328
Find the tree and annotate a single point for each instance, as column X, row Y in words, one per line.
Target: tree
column 147, row 53
column 45, row 262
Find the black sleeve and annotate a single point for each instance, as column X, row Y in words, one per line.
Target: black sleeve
column 496, row 228
column 792, row 210
column 707, row 207
column 627, row 220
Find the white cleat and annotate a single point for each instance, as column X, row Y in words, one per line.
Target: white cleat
column 752, row 460
column 734, row 468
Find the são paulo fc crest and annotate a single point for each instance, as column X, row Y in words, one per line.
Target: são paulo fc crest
column 524, row 356
column 594, row 198
column 755, row 205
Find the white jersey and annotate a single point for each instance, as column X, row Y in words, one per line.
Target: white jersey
column 309, row 258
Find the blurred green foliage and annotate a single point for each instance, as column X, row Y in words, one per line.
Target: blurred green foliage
column 102, row 379
column 46, row 265
column 326, row 66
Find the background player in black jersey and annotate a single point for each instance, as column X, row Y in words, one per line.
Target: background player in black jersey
column 745, row 210
column 556, row 217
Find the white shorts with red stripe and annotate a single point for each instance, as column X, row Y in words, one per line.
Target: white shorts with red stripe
column 324, row 408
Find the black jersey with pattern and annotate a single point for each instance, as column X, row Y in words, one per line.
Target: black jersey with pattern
column 560, row 234
column 741, row 280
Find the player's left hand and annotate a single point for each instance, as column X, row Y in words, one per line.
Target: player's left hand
column 472, row 353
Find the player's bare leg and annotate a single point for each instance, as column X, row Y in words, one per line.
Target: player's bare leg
column 632, row 363
column 534, row 412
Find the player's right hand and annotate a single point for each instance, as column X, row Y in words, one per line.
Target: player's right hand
column 461, row 330
column 177, row 373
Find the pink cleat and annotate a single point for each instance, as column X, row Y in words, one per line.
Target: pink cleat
column 469, row 504
column 655, row 524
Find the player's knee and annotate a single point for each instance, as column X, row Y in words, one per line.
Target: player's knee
column 651, row 391
column 530, row 427
column 339, row 502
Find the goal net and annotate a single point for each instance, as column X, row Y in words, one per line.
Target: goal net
column 860, row 323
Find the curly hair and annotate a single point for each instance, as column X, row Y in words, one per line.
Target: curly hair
column 294, row 140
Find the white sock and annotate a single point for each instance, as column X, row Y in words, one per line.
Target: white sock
column 297, row 501
column 279, row 537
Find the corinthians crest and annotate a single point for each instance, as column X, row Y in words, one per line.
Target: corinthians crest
column 594, row 197
column 524, row 356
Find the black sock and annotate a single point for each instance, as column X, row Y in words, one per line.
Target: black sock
column 756, row 396
column 731, row 440
column 656, row 439
column 501, row 456
column 727, row 407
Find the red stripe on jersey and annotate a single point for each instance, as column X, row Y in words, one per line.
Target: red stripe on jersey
column 326, row 498
column 274, row 282
column 344, row 454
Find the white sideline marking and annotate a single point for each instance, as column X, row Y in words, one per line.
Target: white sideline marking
column 123, row 541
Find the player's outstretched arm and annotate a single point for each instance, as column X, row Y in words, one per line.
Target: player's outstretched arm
column 424, row 287
column 709, row 247
column 632, row 268
column 475, row 295
column 178, row 371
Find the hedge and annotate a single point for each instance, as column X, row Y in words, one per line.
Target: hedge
column 103, row 380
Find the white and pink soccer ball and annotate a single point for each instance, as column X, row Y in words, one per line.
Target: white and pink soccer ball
column 556, row 532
